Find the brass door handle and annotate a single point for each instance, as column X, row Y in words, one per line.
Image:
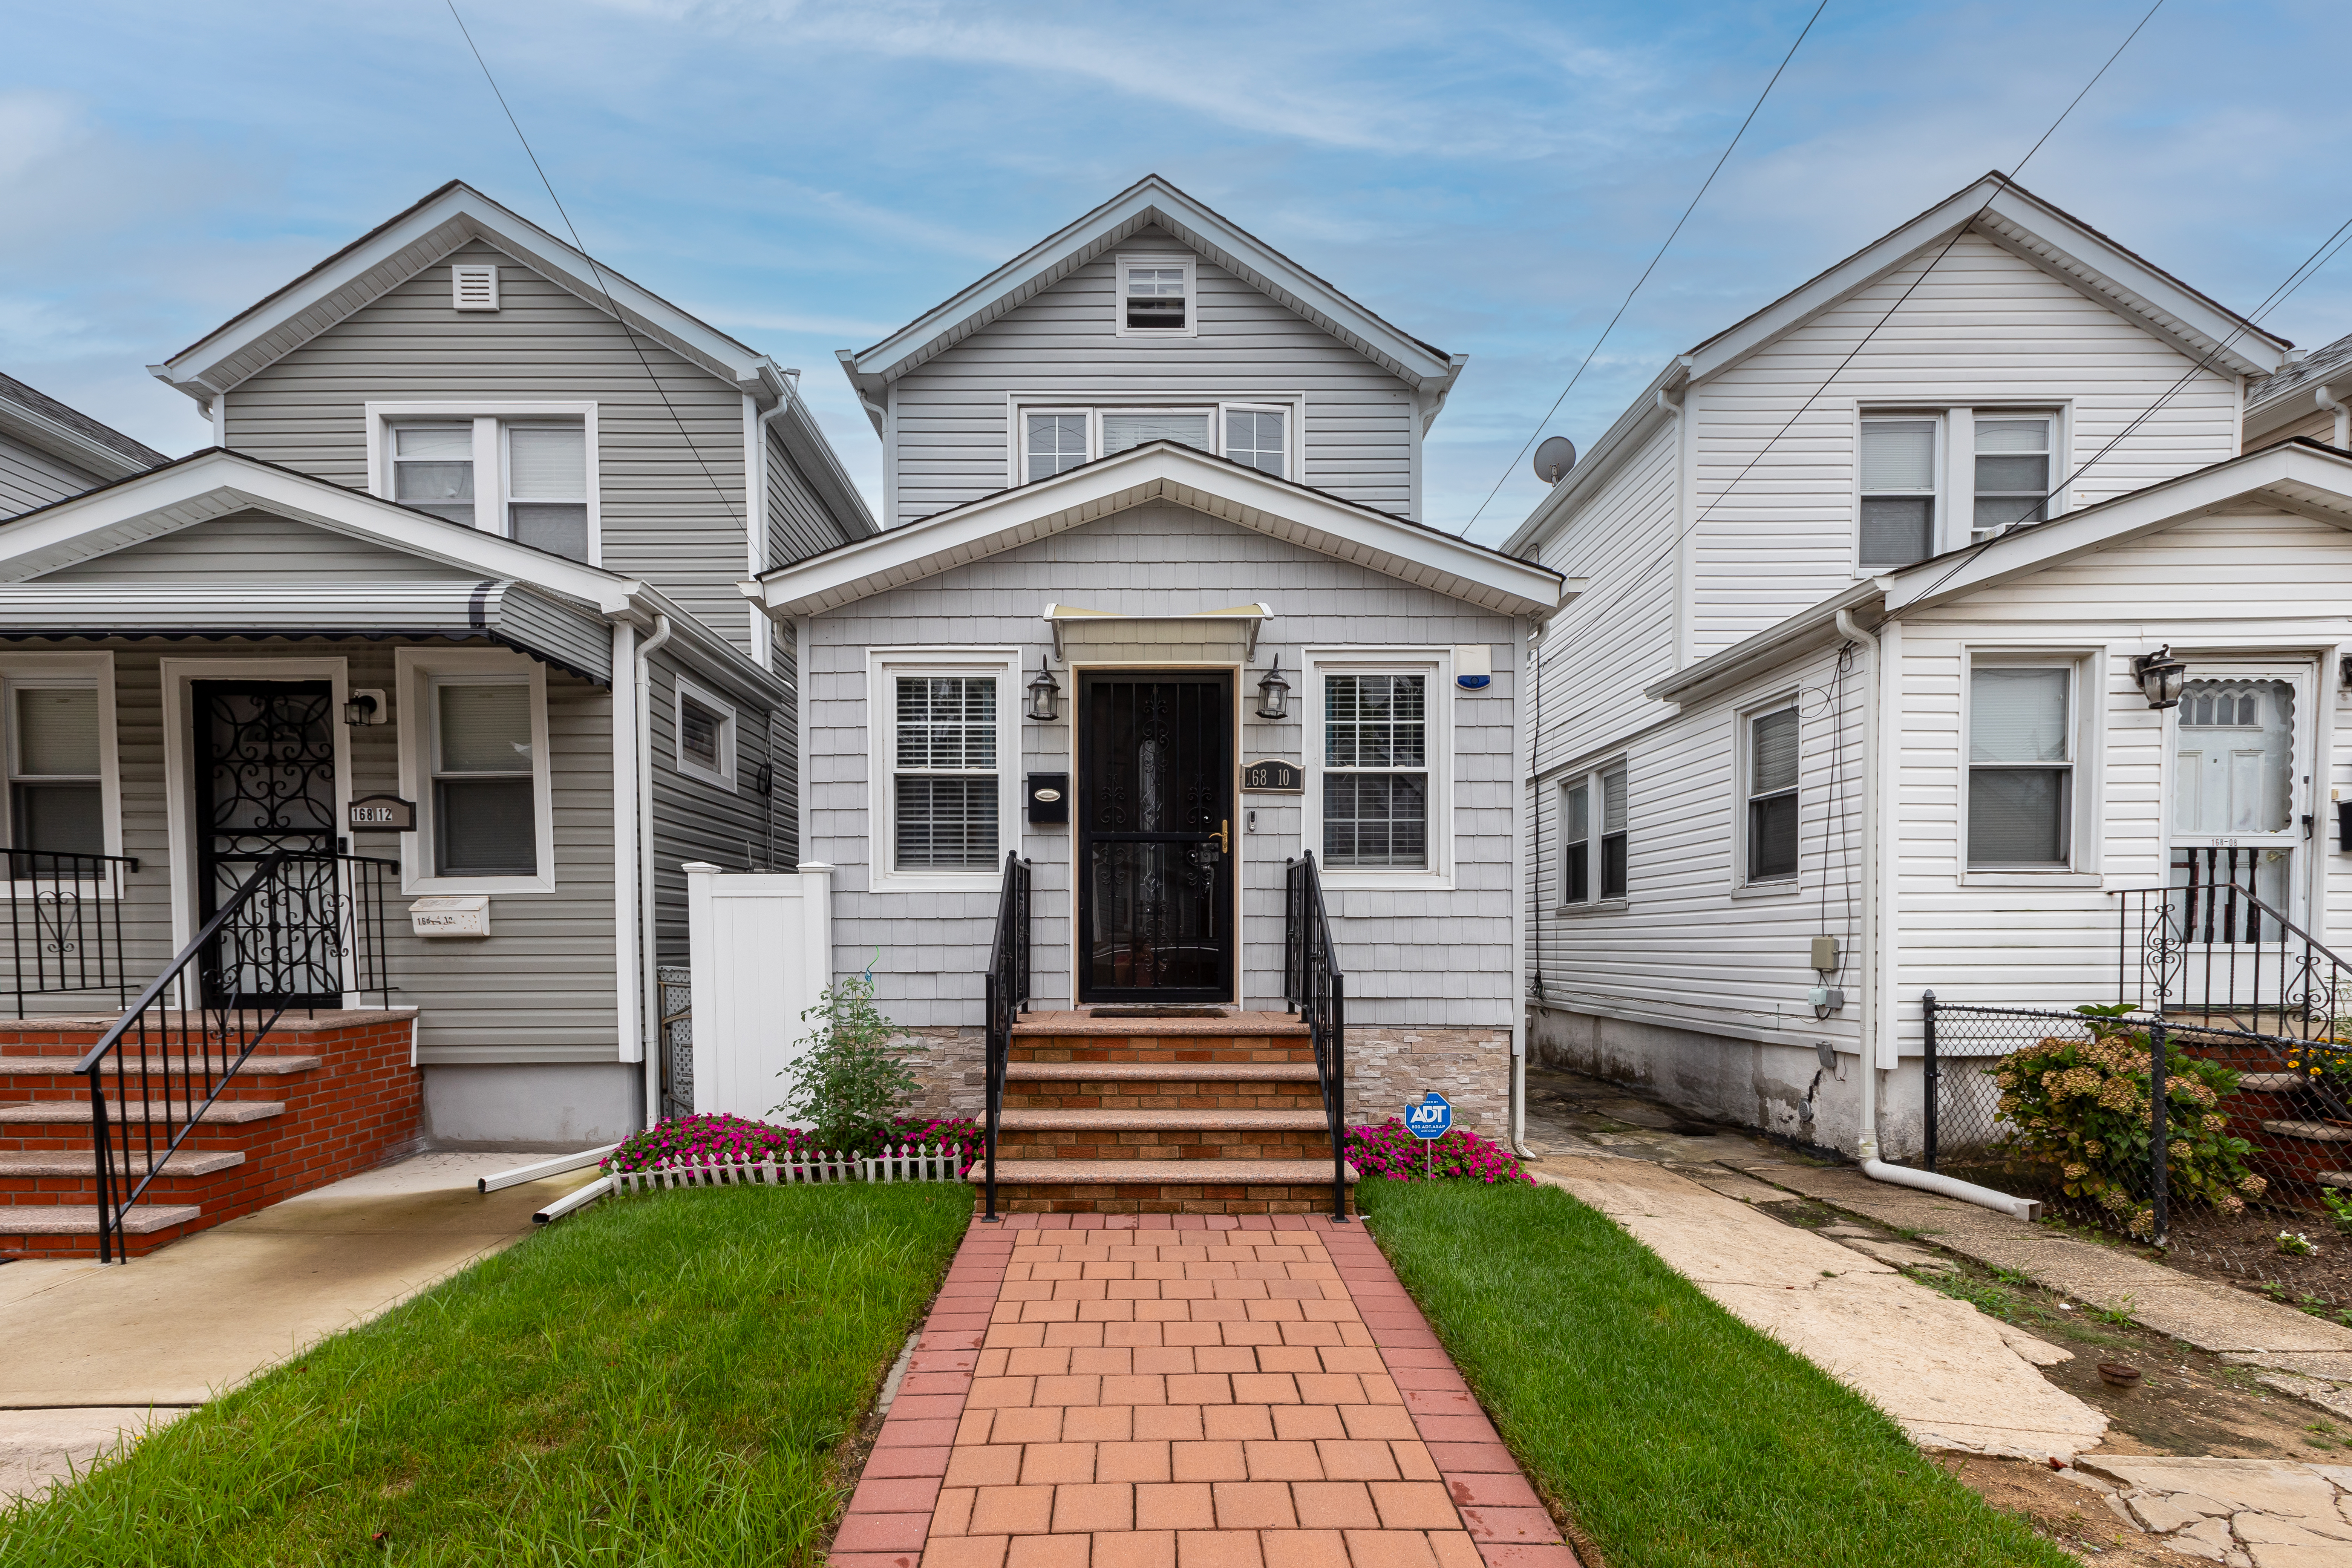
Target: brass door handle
column 1224, row 836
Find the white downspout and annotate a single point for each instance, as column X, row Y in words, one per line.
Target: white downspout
column 642, row 831
column 2343, row 416
column 1522, row 816
column 1876, row 1000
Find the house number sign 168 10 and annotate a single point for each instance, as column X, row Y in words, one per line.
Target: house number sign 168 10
column 1269, row 776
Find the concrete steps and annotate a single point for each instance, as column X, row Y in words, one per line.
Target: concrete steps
column 1112, row 1114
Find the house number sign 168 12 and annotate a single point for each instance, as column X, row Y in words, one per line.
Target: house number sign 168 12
column 382, row 814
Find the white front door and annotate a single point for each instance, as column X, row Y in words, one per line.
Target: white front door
column 2240, row 795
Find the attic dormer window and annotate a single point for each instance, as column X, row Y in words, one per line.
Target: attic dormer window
column 1155, row 296
column 473, row 287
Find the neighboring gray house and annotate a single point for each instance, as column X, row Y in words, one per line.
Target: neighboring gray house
column 2310, row 395
column 469, row 535
column 49, row 451
column 1147, row 462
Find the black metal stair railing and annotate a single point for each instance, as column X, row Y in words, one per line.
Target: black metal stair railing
column 1315, row 988
column 2215, row 951
column 1006, row 992
column 304, row 929
column 65, row 923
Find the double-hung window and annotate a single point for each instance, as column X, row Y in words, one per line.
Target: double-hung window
column 943, row 775
column 1155, row 296
column 2013, row 454
column 1376, row 757
column 526, row 471
column 485, row 809
column 56, row 796
column 1593, row 836
column 1772, row 814
column 2021, row 765
column 1898, row 491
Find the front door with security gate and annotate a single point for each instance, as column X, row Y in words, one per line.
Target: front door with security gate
column 1156, row 785
column 264, row 782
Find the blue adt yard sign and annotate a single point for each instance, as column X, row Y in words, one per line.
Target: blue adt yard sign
column 1432, row 1119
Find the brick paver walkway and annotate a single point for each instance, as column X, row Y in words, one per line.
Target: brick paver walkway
column 1185, row 1392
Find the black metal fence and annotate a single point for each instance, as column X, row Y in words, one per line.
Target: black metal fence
column 2242, row 1165
column 65, row 924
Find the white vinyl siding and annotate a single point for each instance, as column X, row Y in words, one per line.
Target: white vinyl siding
column 954, row 428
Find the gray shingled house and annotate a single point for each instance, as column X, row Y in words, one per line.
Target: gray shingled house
column 452, row 605
column 1147, row 484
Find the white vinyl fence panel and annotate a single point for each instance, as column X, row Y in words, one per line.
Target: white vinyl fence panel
column 761, row 954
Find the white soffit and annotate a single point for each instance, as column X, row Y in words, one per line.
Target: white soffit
column 1152, row 201
column 1164, row 470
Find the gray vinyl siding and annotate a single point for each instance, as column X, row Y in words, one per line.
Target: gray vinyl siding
column 1429, row 957
column 249, row 546
column 784, row 749
column 31, row 477
column 672, row 506
column 952, row 441
column 798, row 525
column 695, row 819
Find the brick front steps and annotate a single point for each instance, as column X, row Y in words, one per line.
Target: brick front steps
column 327, row 1094
column 1209, row 1116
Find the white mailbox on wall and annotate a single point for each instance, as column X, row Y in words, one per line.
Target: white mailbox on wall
column 762, row 952
column 451, row 914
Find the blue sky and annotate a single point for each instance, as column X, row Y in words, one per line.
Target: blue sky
column 1491, row 177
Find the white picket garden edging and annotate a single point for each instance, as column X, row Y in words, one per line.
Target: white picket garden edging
column 908, row 1163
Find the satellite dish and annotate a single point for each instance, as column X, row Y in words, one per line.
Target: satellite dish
column 1554, row 458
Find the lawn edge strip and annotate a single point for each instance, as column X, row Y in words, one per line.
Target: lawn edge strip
column 1507, row 1519
column 889, row 1513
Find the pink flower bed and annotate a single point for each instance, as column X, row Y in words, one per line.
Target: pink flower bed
column 719, row 1139
column 1389, row 1152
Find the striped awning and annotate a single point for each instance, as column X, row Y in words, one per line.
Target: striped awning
column 568, row 637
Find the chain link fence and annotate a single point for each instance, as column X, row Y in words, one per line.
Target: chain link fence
column 677, row 1040
column 2241, row 1168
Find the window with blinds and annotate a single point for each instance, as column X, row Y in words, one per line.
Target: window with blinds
column 1125, row 427
column 547, row 487
column 432, row 470
column 1592, row 858
column 1156, row 296
column 706, row 736
column 944, row 773
column 484, row 790
column 2012, row 470
column 1375, row 771
column 2021, row 765
column 1898, row 491
column 56, row 797
column 1772, row 813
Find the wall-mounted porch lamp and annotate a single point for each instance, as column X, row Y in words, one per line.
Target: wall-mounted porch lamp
column 1045, row 696
column 2160, row 676
column 1274, row 692
column 363, row 708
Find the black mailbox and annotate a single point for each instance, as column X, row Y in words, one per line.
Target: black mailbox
column 2344, row 826
column 1049, row 797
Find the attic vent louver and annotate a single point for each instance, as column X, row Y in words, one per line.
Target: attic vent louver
column 474, row 287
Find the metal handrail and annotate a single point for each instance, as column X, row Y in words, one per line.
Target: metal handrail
column 64, row 922
column 1314, row 987
column 1006, row 991
column 2306, row 979
column 257, row 950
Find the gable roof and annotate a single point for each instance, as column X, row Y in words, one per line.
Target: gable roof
column 2288, row 395
column 1164, row 470
column 2010, row 216
column 70, row 434
column 216, row 482
column 2301, row 476
column 1151, row 202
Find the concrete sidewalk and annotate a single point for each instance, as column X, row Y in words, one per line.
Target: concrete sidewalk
column 100, row 1354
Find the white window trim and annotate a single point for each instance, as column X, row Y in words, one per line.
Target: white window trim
column 70, row 669
column 1192, row 327
column 883, row 666
column 490, row 418
column 1590, row 776
column 1955, row 464
column 2085, row 710
column 1291, row 405
column 723, row 776
column 1744, row 778
column 414, row 671
column 1437, row 664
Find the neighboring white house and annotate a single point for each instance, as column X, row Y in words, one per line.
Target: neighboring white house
column 1868, row 573
column 1149, row 461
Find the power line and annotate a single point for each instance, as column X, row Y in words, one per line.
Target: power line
column 597, row 273
column 1644, row 278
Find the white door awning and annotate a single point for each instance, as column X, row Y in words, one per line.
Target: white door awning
column 1243, row 619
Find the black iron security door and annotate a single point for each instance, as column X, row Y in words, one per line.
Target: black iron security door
column 1155, row 837
column 264, row 777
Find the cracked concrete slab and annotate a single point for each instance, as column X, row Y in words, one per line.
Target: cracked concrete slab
column 1943, row 1371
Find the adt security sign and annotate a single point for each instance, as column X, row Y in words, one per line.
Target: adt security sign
column 1432, row 1119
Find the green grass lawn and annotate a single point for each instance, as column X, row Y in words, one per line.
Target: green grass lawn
column 659, row 1379
column 1677, row 1435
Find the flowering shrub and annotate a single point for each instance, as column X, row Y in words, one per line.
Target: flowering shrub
column 2081, row 1108
column 1388, row 1151
column 2322, row 1061
column 734, row 1140
column 2294, row 1244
